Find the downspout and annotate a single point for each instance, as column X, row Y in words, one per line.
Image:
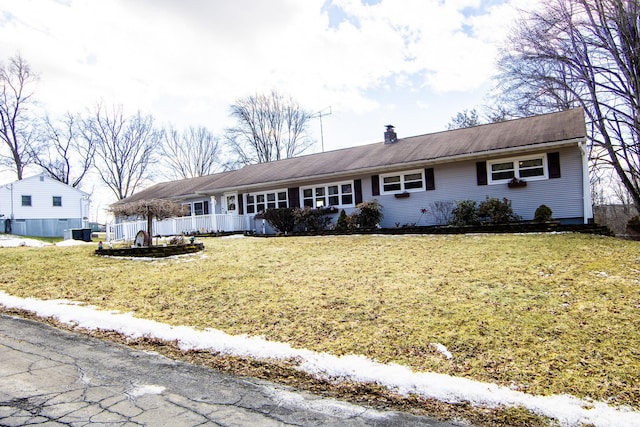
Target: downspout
column 586, row 184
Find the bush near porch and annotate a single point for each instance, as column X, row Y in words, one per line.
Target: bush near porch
column 539, row 313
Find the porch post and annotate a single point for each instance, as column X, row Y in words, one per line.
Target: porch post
column 214, row 215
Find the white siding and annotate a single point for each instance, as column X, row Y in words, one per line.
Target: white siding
column 42, row 192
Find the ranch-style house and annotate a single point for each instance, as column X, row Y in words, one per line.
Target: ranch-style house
column 530, row 161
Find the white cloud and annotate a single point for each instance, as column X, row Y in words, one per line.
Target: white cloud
column 186, row 62
column 197, row 52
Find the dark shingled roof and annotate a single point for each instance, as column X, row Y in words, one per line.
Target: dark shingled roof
column 566, row 126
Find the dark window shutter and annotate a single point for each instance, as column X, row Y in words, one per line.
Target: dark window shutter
column 553, row 160
column 375, row 185
column 430, row 182
column 357, row 189
column 205, row 206
column 240, row 204
column 481, row 173
column 294, row 197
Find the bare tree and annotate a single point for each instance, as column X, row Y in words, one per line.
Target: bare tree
column 583, row 53
column 125, row 148
column 65, row 150
column 464, row 119
column 269, row 127
column 469, row 118
column 17, row 86
column 192, row 153
column 149, row 209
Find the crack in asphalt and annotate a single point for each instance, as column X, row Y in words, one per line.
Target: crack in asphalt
column 54, row 377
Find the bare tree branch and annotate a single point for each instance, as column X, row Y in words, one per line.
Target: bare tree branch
column 192, row 153
column 269, row 127
column 125, row 148
column 582, row 53
column 65, row 150
column 16, row 127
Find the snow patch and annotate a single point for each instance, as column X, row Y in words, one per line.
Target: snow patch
column 145, row 389
column 442, row 350
column 324, row 406
column 14, row 242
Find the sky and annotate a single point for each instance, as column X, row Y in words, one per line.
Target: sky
column 568, row 410
column 362, row 63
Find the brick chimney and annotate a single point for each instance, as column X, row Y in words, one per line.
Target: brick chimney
column 390, row 135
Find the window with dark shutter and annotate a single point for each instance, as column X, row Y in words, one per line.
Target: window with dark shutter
column 554, row 164
column 481, row 173
column 430, row 183
column 357, row 187
column 375, row 185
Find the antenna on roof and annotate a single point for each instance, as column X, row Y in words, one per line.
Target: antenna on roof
column 319, row 115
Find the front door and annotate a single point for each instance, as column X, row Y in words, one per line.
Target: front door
column 231, row 203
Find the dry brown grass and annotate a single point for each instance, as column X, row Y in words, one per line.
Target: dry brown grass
column 542, row 313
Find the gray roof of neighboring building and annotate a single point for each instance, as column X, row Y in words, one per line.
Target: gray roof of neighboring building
column 554, row 128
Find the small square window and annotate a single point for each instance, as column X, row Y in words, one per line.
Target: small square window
column 502, row 171
column 198, row 208
column 57, row 201
column 26, row 200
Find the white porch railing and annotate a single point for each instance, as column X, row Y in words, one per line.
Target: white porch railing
column 176, row 226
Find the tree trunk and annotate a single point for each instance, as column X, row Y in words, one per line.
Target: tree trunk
column 149, row 230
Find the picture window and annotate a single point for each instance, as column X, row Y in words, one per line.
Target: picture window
column 259, row 202
column 335, row 194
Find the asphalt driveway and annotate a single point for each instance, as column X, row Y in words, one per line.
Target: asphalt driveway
column 54, row 377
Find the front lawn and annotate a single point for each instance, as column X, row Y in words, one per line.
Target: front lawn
column 545, row 314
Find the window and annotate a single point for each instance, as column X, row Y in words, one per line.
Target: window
column 336, row 194
column 528, row 168
column 201, row 208
column 400, row 182
column 259, row 202
column 196, row 208
column 57, row 201
column 26, row 200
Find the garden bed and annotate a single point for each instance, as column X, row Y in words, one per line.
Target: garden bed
column 152, row 251
column 519, row 227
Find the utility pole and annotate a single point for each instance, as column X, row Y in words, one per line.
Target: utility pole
column 319, row 115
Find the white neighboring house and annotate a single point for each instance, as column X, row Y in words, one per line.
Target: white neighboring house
column 41, row 206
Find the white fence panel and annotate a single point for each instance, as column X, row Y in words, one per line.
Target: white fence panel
column 175, row 226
